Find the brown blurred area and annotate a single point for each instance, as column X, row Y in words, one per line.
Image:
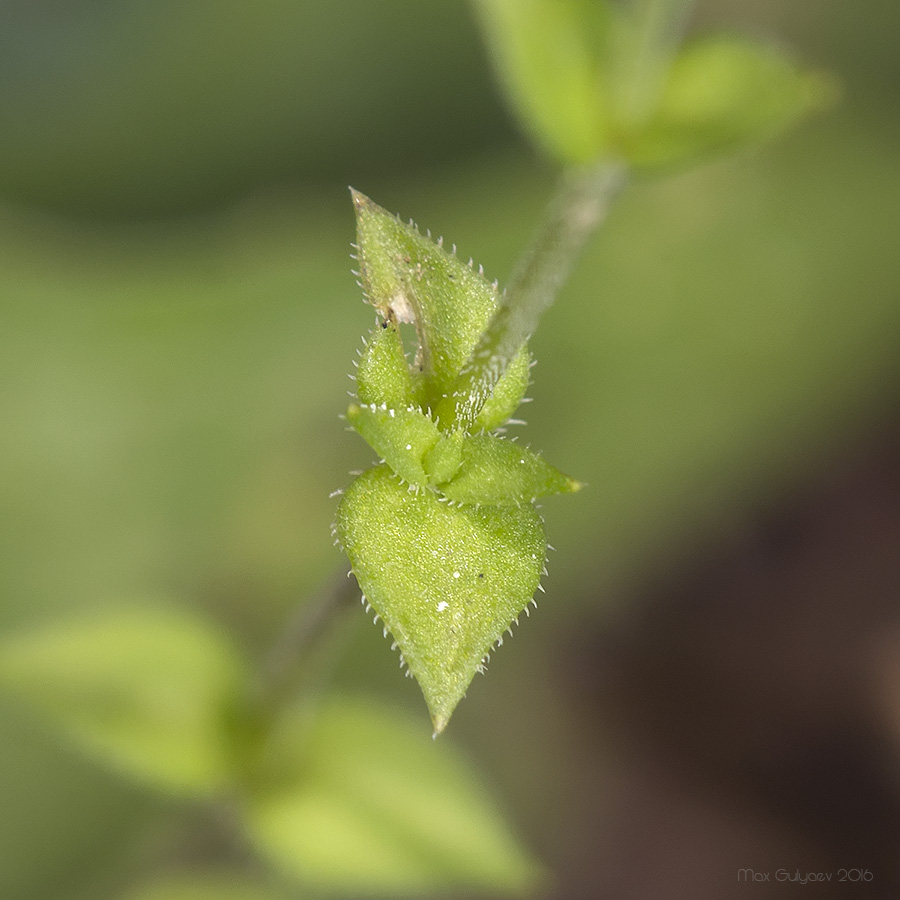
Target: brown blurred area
column 753, row 701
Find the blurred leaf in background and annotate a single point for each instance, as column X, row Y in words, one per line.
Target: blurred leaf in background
column 592, row 79
column 212, row 885
column 364, row 802
column 153, row 693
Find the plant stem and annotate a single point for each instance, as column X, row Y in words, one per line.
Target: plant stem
column 305, row 648
column 580, row 204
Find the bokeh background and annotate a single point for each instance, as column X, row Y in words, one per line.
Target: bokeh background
column 712, row 681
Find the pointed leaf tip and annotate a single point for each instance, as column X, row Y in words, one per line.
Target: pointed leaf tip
column 359, row 198
column 439, row 723
column 498, row 471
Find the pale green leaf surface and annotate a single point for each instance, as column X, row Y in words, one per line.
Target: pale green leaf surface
column 743, row 355
column 442, row 461
column 723, row 92
column 446, row 580
column 370, row 806
column 383, row 374
column 148, row 690
column 548, row 56
column 497, row 471
column 401, row 437
column 507, row 394
column 408, row 277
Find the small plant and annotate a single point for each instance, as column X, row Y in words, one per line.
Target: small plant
column 443, row 535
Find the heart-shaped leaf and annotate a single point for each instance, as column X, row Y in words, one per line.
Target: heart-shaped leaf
column 446, row 580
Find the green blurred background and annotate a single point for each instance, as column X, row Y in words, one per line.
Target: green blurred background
column 177, row 320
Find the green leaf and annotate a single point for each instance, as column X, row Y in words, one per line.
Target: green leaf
column 496, row 471
column 220, row 885
column 446, row 580
column 721, row 93
column 549, row 56
column 442, row 461
column 151, row 691
column 362, row 803
column 410, row 278
column 401, row 437
column 507, row 394
column 383, row 375
column 443, row 538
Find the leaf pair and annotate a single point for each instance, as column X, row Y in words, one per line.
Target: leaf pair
column 345, row 797
column 480, row 469
column 443, row 535
column 595, row 78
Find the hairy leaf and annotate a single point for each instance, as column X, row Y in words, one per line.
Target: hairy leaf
column 443, row 537
column 507, row 395
column 447, row 580
column 401, row 437
column 410, row 278
column 383, row 375
column 500, row 472
column 442, row 461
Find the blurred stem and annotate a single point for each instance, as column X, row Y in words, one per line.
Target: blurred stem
column 579, row 206
column 305, row 652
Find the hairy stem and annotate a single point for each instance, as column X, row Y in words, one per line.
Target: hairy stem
column 579, row 206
